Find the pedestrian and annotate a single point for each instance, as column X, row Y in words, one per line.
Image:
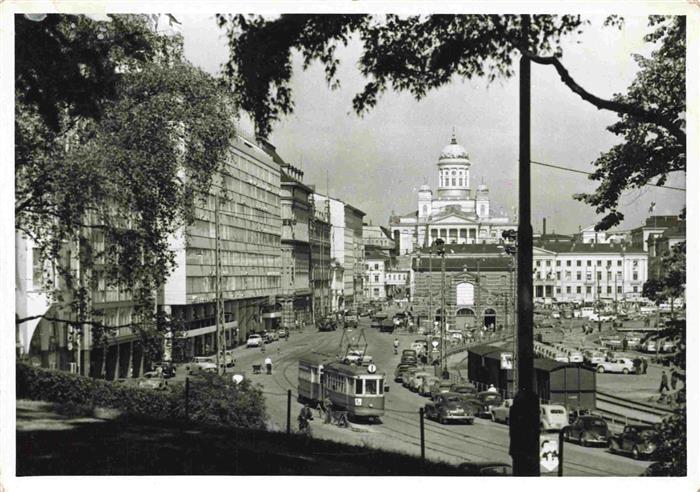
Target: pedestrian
column 664, row 383
column 674, row 379
column 644, row 365
column 492, row 389
column 268, row 365
column 637, row 365
column 624, row 344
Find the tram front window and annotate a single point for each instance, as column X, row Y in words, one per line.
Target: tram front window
column 371, row 387
column 358, row 387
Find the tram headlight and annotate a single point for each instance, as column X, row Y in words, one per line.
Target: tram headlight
column 370, row 405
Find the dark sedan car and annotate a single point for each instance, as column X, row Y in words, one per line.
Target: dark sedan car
column 448, row 407
column 635, row 440
column 463, row 388
column 588, row 430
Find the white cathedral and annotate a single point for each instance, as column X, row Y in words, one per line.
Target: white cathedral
column 457, row 214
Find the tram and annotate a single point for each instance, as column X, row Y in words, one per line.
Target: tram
column 358, row 390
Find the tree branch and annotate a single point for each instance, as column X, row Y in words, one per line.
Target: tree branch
column 616, row 106
column 75, row 322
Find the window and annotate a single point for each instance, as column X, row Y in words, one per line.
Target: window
column 578, row 263
column 619, row 262
column 537, row 263
column 548, row 263
column 558, row 263
column 635, row 276
column 376, row 291
column 634, row 289
column 600, row 290
column 609, row 275
column 609, row 290
column 568, row 262
column 37, row 268
column 578, row 289
column 358, row 386
column 599, row 275
column 598, row 263
column 558, row 290
column 589, row 276
column 578, row 275
column 588, row 262
column 376, row 278
column 588, row 289
column 558, row 275
column 371, row 387
column 619, row 289
column 609, row 263
column 568, row 275
column 376, row 266
column 568, row 289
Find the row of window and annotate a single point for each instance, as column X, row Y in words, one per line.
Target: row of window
column 589, row 275
column 598, row 263
column 600, row 290
column 199, row 285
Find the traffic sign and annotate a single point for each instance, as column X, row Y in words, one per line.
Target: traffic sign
column 371, row 368
column 549, row 453
column 435, row 343
column 507, row 360
column 237, row 378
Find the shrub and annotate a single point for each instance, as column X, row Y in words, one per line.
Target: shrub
column 212, row 399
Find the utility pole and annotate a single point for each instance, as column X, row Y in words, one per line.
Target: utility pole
column 220, row 317
column 524, row 420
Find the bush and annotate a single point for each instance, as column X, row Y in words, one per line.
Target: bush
column 212, row 399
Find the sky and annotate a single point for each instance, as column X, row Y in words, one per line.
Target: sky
column 378, row 161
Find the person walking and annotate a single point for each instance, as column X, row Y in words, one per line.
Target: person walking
column 674, row 379
column 268, row 365
column 396, row 345
column 664, row 383
column 624, row 344
column 637, row 365
column 644, row 365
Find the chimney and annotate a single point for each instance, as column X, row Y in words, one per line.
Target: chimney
column 544, row 226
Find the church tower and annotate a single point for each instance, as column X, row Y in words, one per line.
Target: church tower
column 453, row 172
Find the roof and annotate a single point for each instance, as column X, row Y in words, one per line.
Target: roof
column 588, row 248
column 468, row 249
column 286, row 180
column 548, row 365
column 375, row 254
column 483, row 349
column 677, row 231
column 355, row 209
column 484, row 264
column 350, row 369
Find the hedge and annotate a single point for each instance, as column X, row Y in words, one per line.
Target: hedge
column 212, row 399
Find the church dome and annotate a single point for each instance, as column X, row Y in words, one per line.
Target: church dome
column 454, row 154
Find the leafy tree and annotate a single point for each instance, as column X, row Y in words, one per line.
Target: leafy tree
column 649, row 151
column 119, row 171
column 671, row 282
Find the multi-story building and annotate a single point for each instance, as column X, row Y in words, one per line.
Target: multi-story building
column 295, row 295
column 354, row 274
column 378, row 237
column 376, row 262
column 250, row 227
column 653, row 226
column 456, row 214
column 336, row 218
column 478, row 286
column 579, row 272
column 321, row 244
column 398, row 284
column 659, row 246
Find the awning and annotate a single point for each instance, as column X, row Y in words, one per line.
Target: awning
column 208, row 329
column 276, row 314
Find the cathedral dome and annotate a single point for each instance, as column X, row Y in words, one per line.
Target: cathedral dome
column 454, row 153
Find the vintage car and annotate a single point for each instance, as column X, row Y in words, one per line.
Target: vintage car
column 501, row 413
column 449, row 407
column 463, row 388
column 327, row 324
column 588, row 430
column 358, row 357
column 553, row 417
column 593, row 357
column 254, row 340
column 487, row 400
column 486, row 469
column 426, row 384
column 408, row 373
column 616, row 365
column 400, row 369
column 438, row 387
column 635, row 440
column 416, row 381
column 201, row 364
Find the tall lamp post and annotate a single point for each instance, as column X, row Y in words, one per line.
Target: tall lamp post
column 440, row 246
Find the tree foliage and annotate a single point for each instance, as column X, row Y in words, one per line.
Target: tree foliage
column 119, row 172
column 648, row 152
column 671, row 282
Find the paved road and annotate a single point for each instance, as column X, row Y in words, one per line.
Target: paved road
column 399, row 428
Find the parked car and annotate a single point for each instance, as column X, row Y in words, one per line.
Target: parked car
column 448, row 407
column 438, row 387
column 267, row 337
column 420, row 346
column 553, row 417
column 156, row 383
column 463, row 388
column 166, row 370
column 327, row 324
column 426, row 384
column 274, row 336
column 408, row 374
column 635, row 440
column 486, row 469
column 400, row 370
column 416, row 381
column 588, row 430
column 202, row 364
column 230, row 359
column 575, row 413
column 593, row 357
column 618, row 365
column 254, row 340
column 283, row 333
column 501, row 413
column 487, row 400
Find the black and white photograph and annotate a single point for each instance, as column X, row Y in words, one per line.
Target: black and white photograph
column 349, row 239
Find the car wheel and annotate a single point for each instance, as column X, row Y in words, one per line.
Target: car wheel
column 584, row 441
column 442, row 420
column 493, row 418
column 567, row 436
column 635, row 453
column 625, row 371
column 611, row 447
column 601, row 369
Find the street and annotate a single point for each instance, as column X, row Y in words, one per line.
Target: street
column 399, row 427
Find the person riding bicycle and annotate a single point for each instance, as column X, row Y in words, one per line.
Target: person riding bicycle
column 304, row 416
column 396, row 345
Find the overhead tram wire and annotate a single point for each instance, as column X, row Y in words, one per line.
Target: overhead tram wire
column 579, row 171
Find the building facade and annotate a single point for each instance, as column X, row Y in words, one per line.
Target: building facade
column 354, row 269
column 459, row 213
column 479, row 286
column 398, row 284
column 376, row 262
column 587, row 272
column 321, row 244
column 296, row 213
